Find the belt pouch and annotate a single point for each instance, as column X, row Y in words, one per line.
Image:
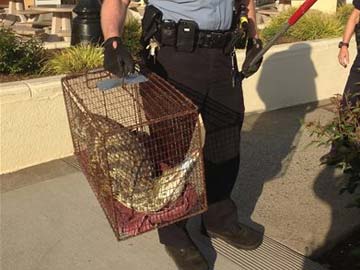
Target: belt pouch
column 186, row 35
column 168, row 33
column 152, row 17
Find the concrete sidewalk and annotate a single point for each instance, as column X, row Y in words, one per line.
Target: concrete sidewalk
column 282, row 185
column 50, row 218
column 53, row 221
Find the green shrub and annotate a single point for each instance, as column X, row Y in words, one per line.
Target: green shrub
column 131, row 37
column 313, row 25
column 343, row 133
column 343, row 13
column 83, row 57
column 276, row 24
column 79, row 58
column 19, row 56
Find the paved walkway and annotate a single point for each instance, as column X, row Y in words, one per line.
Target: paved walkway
column 51, row 220
column 282, row 185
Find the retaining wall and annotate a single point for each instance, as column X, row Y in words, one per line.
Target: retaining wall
column 34, row 127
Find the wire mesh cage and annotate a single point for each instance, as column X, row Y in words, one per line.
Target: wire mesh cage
column 140, row 148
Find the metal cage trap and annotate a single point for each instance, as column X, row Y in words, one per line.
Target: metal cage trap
column 140, row 148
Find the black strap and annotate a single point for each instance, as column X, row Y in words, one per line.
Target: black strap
column 209, row 39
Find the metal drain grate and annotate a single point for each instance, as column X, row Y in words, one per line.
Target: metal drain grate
column 271, row 255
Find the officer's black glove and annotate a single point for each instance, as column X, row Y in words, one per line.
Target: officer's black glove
column 117, row 58
column 254, row 46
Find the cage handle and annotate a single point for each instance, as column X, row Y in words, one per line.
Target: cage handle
column 97, row 70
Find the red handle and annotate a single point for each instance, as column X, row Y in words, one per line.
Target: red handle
column 301, row 11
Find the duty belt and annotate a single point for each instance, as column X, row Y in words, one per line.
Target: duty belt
column 185, row 35
column 208, row 39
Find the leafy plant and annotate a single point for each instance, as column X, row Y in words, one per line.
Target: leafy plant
column 74, row 59
column 343, row 13
column 343, row 133
column 131, row 37
column 87, row 56
column 18, row 55
column 314, row 25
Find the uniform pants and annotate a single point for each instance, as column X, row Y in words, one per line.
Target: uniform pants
column 352, row 86
column 204, row 76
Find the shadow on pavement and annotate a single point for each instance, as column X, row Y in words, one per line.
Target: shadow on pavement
column 269, row 139
column 343, row 220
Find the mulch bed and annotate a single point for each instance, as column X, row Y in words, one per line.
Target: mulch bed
column 345, row 255
column 17, row 77
column 286, row 39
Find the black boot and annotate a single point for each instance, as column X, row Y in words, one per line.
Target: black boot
column 239, row 236
column 221, row 221
column 187, row 258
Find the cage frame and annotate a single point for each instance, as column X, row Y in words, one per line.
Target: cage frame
column 194, row 110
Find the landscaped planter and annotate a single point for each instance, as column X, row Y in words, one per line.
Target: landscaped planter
column 34, row 126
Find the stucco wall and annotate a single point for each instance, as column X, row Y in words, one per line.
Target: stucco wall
column 296, row 73
column 323, row 5
column 34, row 127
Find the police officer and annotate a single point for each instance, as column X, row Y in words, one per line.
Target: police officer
column 352, row 86
column 196, row 55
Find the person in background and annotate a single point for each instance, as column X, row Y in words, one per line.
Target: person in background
column 352, row 86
